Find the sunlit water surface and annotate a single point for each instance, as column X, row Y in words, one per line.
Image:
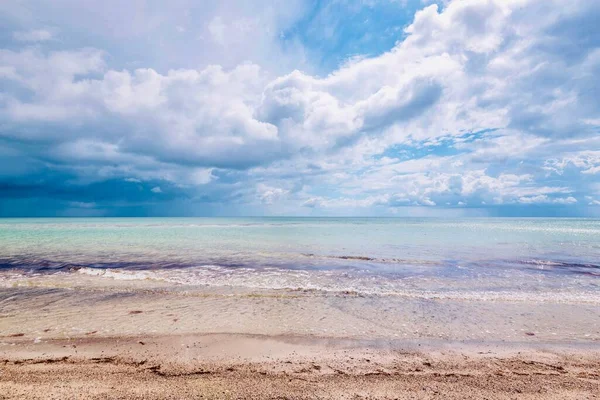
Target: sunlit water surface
column 547, row 259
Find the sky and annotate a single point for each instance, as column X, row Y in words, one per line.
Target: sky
column 300, row 108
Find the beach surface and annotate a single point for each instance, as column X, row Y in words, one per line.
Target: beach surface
column 107, row 338
column 257, row 367
column 299, row 308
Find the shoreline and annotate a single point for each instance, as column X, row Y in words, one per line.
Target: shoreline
column 92, row 337
column 114, row 308
column 295, row 367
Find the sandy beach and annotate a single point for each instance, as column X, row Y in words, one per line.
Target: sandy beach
column 258, row 367
column 97, row 337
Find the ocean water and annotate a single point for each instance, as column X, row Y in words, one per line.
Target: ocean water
column 552, row 260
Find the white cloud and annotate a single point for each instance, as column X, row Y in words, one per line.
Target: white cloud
column 460, row 69
column 270, row 195
column 38, row 35
column 591, row 201
column 202, row 117
column 156, row 189
column 201, row 176
column 146, row 33
column 345, row 202
column 543, row 199
column 217, row 28
column 588, row 161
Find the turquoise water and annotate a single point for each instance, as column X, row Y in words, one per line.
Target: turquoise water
column 362, row 254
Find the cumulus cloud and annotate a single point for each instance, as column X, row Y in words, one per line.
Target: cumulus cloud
column 269, row 195
column 196, row 117
column 587, row 161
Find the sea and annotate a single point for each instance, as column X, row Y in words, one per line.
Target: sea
column 511, row 259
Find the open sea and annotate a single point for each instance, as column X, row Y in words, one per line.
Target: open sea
column 511, row 259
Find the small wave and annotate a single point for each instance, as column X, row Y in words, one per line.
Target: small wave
column 292, row 261
column 570, row 267
column 375, row 259
column 330, row 282
column 44, row 265
column 119, row 274
column 333, row 283
column 38, row 264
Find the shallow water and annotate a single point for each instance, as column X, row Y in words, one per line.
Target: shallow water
column 507, row 259
column 476, row 280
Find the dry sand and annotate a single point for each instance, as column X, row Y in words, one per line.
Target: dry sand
column 259, row 367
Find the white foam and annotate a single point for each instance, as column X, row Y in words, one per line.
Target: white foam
column 120, row 274
column 343, row 283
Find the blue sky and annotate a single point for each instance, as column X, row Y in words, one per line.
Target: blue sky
column 348, row 107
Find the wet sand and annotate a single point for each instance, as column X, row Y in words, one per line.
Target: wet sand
column 97, row 338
